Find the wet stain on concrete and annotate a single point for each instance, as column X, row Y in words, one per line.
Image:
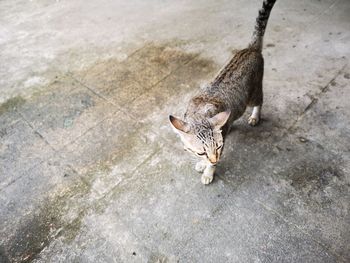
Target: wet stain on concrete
column 86, row 101
column 11, row 104
column 45, row 224
column 58, row 104
column 157, row 258
column 3, row 257
column 124, row 81
column 330, row 118
column 33, row 237
column 312, row 178
column 111, row 80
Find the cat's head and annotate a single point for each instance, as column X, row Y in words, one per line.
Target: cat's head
column 203, row 138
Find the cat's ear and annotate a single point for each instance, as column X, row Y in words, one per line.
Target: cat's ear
column 220, row 119
column 179, row 125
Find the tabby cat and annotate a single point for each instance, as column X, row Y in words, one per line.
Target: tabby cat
column 210, row 114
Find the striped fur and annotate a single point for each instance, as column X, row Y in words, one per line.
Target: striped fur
column 210, row 114
column 260, row 25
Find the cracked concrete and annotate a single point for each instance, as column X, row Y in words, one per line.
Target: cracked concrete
column 90, row 170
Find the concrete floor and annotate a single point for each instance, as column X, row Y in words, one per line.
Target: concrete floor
column 90, row 170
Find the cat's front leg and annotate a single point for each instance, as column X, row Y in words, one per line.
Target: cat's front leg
column 208, row 174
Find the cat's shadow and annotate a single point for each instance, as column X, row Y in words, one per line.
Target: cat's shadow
column 247, row 150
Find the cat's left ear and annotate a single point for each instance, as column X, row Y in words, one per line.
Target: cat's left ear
column 179, row 125
column 220, row 119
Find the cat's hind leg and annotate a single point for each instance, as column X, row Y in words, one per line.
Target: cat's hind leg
column 256, row 101
column 255, row 116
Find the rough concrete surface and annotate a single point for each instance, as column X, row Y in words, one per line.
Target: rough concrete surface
column 90, row 170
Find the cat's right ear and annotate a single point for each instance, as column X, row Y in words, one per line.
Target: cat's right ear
column 220, row 119
column 179, row 125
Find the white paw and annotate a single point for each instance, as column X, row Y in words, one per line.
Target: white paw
column 207, row 179
column 253, row 121
column 200, row 166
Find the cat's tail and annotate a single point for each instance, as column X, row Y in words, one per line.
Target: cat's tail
column 260, row 25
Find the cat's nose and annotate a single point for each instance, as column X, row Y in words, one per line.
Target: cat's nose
column 213, row 160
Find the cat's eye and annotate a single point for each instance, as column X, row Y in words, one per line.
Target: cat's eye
column 201, row 154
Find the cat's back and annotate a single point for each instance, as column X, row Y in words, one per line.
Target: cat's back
column 245, row 64
column 231, row 88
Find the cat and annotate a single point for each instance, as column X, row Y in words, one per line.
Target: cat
column 210, row 114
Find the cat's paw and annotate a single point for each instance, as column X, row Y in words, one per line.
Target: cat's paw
column 207, row 179
column 253, row 120
column 200, row 166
